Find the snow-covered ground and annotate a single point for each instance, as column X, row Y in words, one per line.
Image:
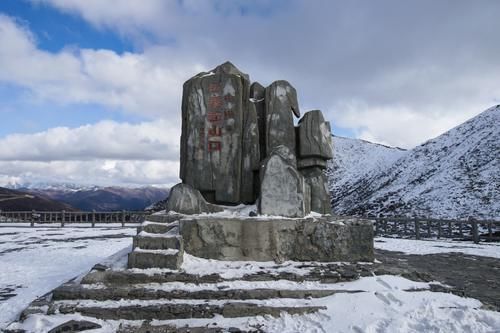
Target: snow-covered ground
column 411, row 246
column 386, row 304
column 33, row 261
column 36, row 260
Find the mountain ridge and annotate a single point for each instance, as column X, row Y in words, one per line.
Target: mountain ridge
column 454, row 175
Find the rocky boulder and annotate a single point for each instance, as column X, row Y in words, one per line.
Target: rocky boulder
column 184, row 199
column 283, row 191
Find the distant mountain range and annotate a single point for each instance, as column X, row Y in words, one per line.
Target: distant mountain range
column 13, row 200
column 97, row 198
column 456, row 175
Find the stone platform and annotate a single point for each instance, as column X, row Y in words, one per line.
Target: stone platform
column 322, row 238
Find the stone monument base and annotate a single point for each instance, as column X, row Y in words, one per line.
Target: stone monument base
column 324, row 238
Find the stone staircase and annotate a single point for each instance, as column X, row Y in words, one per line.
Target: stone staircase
column 154, row 292
column 157, row 245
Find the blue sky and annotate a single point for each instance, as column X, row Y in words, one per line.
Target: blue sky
column 77, row 77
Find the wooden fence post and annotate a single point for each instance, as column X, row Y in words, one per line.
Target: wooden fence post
column 32, row 218
column 63, row 218
column 475, row 231
column 123, row 218
column 417, row 229
column 93, row 218
column 429, row 229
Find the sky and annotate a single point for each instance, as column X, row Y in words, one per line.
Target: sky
column 90, row 90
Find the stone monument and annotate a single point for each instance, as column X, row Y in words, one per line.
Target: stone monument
column 239, row 145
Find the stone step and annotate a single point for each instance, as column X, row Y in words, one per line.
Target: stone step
column 170, row 311
column 149, row 241
column 78, row 292
column 164, row 218
column 140, row 258
column 146, row 327
column 156, row 228
column 124, row 277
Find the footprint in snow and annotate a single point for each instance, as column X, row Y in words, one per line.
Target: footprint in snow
column 383, row 283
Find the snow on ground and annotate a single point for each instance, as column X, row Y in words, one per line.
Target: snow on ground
column 411, row 246
column 36, row 260
column 387, row 304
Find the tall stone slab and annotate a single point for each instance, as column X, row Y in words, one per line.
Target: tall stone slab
column 315, row 136
column 281, row 104
column 257, row 98
column 283, row 191
column 213, row 107
column 320, row 196
column 314, row 147
column 250, row 155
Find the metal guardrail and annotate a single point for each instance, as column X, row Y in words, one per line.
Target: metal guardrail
column 65, row 217
column 418, row 228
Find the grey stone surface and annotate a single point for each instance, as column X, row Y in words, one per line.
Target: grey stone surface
column 75, row 326
column 257, row 98
column 213, row 107
column 281, row 104
column 170, row 311
column 184, row 199
column 75, row 292
column 315, row 136
column 250, row 155
column 152, row 259
column 320, row 196
column 158, row 243
column 309, row 162
column 307, row 239
column 282, row 189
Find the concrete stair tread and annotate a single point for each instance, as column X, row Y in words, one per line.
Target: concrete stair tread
column 148, row 258
column 176, row 310
column 145, row 234
column 167, row 252
column 134, row 276
column 81, row 292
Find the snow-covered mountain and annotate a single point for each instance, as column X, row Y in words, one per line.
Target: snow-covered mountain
column 456, row 175
column 355, row 161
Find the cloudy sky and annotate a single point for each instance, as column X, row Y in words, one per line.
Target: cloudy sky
column 90, row 90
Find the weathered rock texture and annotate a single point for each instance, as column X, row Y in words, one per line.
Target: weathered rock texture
column 233, row 130
column 315, row 136
column 283, row 191
column 281, row 104
column 322, row 239
column 320, row 198
column 184, row 199
column 214, row 110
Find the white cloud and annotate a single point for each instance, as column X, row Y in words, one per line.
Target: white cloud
column 129, row 82
column 393, row 72
column 105, row 140
column 95, row 172
column 106, row 153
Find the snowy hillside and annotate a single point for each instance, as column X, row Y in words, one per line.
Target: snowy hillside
column 354, row 161
column 456, row 175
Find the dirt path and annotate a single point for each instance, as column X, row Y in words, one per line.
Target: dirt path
column 469, row 276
